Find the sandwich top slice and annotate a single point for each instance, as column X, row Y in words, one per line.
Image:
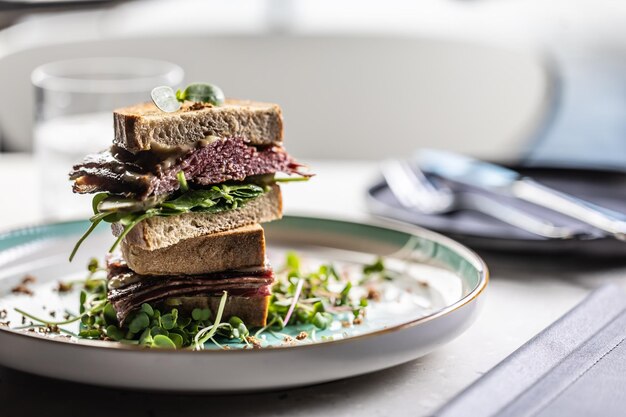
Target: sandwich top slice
column 143, row 127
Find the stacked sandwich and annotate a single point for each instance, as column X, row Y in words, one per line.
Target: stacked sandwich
column 185, row 192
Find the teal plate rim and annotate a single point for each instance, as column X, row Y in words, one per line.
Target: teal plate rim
column 468, row 258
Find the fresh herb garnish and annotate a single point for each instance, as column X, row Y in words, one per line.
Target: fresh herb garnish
column 311, row 298
column 149, row 326
column 89, row 305
column 377, row 271
column 291, row 179
column 207, row 333
column 182, row 181
column 307, row 301
column 165, row 99
column 219, row 198
column 202, row 92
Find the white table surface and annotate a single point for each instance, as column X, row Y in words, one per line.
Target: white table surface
column 524, row 296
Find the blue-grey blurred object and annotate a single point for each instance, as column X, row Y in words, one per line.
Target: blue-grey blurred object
column 587, row 127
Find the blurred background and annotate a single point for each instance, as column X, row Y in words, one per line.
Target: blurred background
column 483, row 77
column 525, row 81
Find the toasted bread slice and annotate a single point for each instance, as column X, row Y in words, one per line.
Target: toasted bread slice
column 160, row 232
column 239, row 248
column 138, row 127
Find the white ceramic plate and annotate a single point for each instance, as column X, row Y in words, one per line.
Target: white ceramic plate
column 435, row 300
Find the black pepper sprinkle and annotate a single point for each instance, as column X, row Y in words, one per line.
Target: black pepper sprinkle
column 28, row 279
column 63, row 287
column 21, row 289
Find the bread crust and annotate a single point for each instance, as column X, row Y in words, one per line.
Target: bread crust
column 160, row 232
column 239, row 248
column 137, row 127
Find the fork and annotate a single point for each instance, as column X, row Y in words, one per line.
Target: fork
column 414, row 190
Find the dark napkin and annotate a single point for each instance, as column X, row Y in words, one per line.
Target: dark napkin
column 575, row 367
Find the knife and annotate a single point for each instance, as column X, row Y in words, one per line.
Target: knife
column 501, row 180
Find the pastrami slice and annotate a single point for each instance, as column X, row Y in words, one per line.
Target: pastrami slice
column 129, row 290
column 143, row 176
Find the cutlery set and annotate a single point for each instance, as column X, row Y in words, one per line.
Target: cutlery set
column 438, row 183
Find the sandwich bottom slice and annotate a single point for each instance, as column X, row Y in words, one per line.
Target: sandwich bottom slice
column 239, row 248
column 248, row 291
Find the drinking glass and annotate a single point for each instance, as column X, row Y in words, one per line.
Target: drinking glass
column 73, row 117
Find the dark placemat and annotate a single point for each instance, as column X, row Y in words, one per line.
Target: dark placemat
column 575, row 367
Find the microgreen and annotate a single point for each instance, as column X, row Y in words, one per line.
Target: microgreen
column 140, row 322
column 46, row 322
column 162, row 341
column 292, row 179
column 182, row 181
column 376, row 271
column 295, row 297
column 208, row 332
column 309, row 298
column 305, row 300
column 203, row 93
column 165, row 99
column 201, row 314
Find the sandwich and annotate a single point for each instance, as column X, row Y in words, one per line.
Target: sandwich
column 185, row 191
column 202, row 160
